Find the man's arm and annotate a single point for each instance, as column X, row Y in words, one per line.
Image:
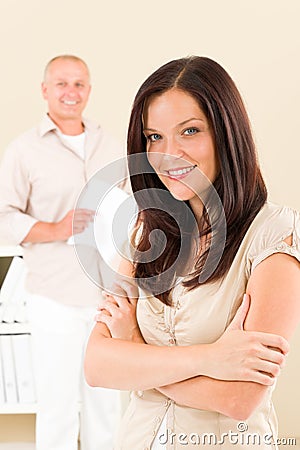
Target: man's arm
column 16, row 225
column 75, row 221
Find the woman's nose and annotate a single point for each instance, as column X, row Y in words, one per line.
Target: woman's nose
column 172, row 147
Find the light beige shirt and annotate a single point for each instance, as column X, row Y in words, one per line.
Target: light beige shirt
column 41, row 177
column 201, row 316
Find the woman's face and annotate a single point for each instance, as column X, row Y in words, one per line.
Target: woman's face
column 180, row 145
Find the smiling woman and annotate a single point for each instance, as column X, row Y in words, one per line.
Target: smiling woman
column 176, row 127
column 223, row 150
column 198, row 358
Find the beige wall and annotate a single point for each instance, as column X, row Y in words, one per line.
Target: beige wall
column 257, row 41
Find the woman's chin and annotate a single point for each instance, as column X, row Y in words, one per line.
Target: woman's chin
column 182, row 196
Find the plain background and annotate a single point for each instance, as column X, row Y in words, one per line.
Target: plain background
column 257, row 42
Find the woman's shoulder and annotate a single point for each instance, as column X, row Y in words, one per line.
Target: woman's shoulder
column 278, row 213
column 273, row 221
column 270, row 230
column 273, row 218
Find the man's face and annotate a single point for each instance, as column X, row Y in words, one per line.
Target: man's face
column 66, row 89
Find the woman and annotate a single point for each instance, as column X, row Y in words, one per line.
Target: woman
column 194, row 376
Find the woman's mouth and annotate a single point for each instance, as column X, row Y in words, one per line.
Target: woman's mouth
column 180, row 172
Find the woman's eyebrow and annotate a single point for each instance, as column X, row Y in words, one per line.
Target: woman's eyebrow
column 179, row 125
column 189, row 120
column 149, row 129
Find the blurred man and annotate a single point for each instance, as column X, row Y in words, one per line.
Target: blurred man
column 41, row 176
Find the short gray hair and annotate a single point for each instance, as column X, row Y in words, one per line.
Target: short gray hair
column 67, row 58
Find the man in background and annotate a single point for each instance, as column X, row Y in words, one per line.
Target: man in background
column 41, row 175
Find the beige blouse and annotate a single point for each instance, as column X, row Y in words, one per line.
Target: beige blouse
column 201, row 316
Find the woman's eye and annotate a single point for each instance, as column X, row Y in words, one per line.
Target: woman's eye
column 154, row 137
column 190, row 131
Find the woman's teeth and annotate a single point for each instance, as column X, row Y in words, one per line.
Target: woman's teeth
column 175, row 173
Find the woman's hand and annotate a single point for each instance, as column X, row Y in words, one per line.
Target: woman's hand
column 118, row 312
column 247, row 355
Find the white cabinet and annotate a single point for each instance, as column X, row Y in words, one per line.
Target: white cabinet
column 17, row 393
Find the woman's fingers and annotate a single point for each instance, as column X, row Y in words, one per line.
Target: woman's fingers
column 124, row 293
column 115, row 306
column 272, row 355
column 267, row 359
column 101, row 314
column 269, row 368
column 118, row 314
column 261, row 378
column 105, row 298
column 111, row 307
column 120, row 302
column 104, row 317
column 247, row 356
column 264, row 372
column 241, row 314
column 273, row 340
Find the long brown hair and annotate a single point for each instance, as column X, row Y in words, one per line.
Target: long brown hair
column 239, row 184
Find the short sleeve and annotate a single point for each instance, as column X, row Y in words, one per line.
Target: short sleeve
column 277, row 225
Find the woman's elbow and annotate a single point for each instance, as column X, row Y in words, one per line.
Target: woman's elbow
column 94, row 360
column 90, row 379
column 242, row 408
column 94, row 364
column 94, row 376
column 97, row 365
column 89, row 372
column 241, row 413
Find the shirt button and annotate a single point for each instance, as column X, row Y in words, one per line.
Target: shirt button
column 140, row 393
column 280, row 247
column 172, row 341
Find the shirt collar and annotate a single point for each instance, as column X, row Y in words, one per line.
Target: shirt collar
column 48, row 125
